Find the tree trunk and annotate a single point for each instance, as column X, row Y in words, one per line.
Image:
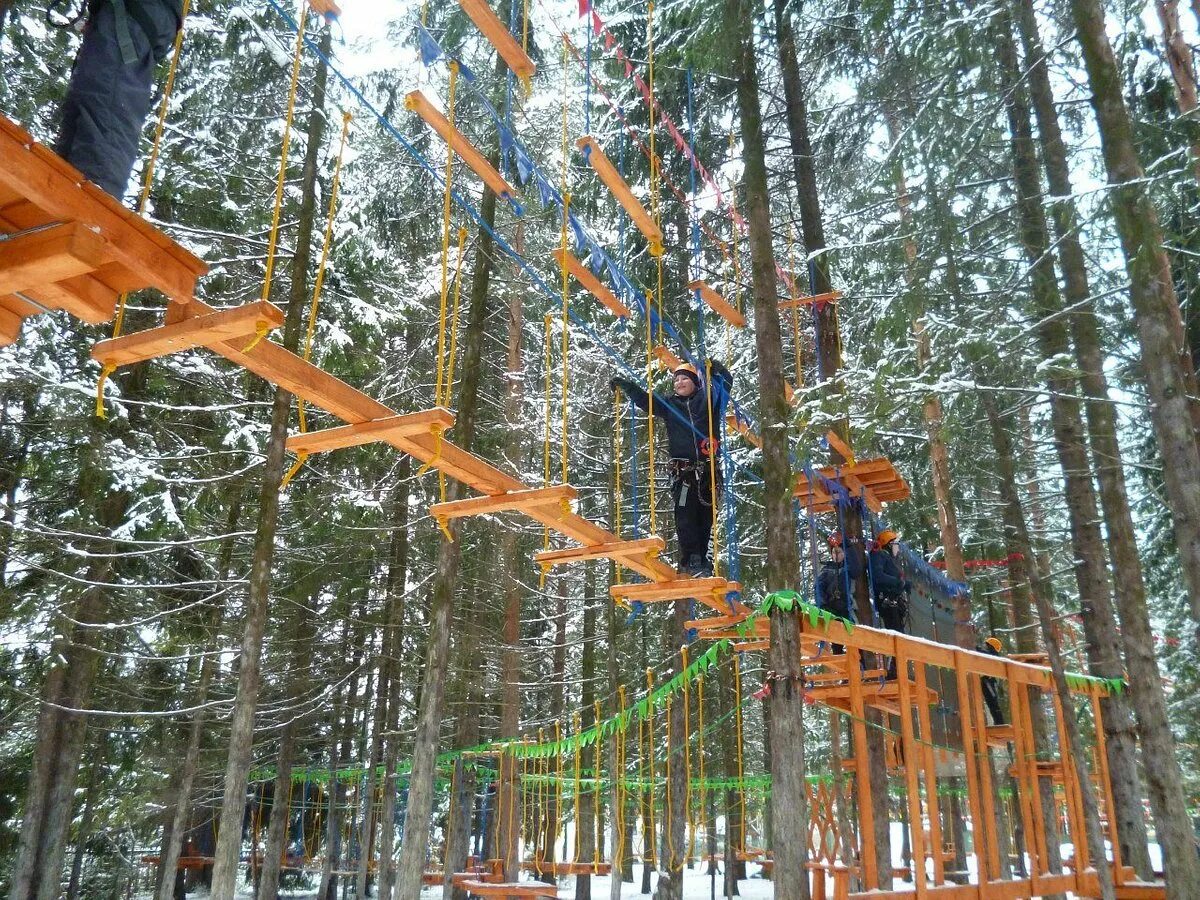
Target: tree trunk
column 1165, row 358
column 1183, row 72
column 425, row 741
column 85, row 829
column 1015, row 523
column 241, row 736
column 1164, row 778
column 585, row 827
column 788, row 798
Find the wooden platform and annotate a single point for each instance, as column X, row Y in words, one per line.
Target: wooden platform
column 718, row 304
column 523, row 500
column 616, row 184
column 476, row 161
column 676, row 589
column 500, row 37
column 876, row 480
column 240, row 322
column 509, row 889
column 643, row 548
column 185, row 862
column 591, row 283
column 71, row 246
column 371, row 431
column 885, row 695
column 811, row 300
column 561, row 869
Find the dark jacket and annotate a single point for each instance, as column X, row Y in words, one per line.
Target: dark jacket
column 886, row 577
column 831, row 589
column 687, row 419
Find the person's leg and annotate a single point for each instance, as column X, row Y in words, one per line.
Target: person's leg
column 688, row 524
column 108, row 99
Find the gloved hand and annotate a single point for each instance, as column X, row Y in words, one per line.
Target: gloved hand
column 719, row 370
column 617, row 383
column 907, row 586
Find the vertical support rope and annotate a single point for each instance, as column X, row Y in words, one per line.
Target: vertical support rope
column 741, row 763
column 700, row 754
column 619, row 775
column 446, row 198
column 687, row 758
column 546, row 437
column 448, row 386
column 597, row 796
column 650, row 763
column 558, row 786
column 577, row 784
column 566, row 294
column 712, row 468
column 618, row 450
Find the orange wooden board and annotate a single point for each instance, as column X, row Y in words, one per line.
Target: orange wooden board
column 616, row 184
column 227, row 324
column 705, row 590
column 743, row 428
column 465, row 150
column 530, row 498
column 666, row 359
column 718, row 304
column 652, row 546
column 35, row 258
column 370, row 431
column 500, row 37
column 509, row 889
column 809, row 300
column 590, row 282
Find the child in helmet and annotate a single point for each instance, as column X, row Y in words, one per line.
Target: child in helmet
column 689, row 419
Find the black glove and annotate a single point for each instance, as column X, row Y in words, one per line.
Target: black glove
column 907, row 587
column 618, row 383
column 718, row 369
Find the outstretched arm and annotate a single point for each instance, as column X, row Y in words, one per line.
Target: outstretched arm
column 637, row 394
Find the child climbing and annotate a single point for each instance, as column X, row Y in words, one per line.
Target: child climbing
column 835, row 582
column 991, row 688
column 688, row 418
column 890, row 585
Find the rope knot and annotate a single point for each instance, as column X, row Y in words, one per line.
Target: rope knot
column 261, row 330
column 107, row 370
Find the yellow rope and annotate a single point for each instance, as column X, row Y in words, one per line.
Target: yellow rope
column 566, row 206
column 619, row 738
column 578, row 772
column 650, row 417
column 650, row 762
column 546, row 321
column 597, row 797
column 687, row 757
column 283, row 155
column 737, row 716
column 458, row 266
column 618, row 453
column 558, row 784
column 449, row 179
column 541, row 798
column 261, row 329
column 712, row 471
column 668, row 801
column 700, row 754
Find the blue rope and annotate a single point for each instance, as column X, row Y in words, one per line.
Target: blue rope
column 695, row 215
column 633, row 470
column 587, row 106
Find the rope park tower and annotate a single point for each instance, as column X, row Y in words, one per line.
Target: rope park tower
column 982, row 811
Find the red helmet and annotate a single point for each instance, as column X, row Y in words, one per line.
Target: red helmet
column 835, row 539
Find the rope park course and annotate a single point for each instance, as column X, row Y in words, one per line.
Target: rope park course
column 68, row 246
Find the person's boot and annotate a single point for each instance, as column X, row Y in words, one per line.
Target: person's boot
column 692, row 565
column 704, row 568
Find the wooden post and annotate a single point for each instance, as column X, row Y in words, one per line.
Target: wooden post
column 979, row 818
column 862, row 771
column 1030, row 808
column 910, row 765
column 1106, row 784
column 931, row 795
column 988, row 792
column 1071, row 793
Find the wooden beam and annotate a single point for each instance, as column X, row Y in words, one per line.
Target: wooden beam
column 718, row 304
column 60, row 193
column 201, row 331
column 676, row 589
column 748, row 646
column 837, row 445
column 809, row 300
column 666, row 359
column 10, row 326
column 458, row 142
column 500, row 37
column 737, row 425
column 370, row 431
column 326, row 8
column 47, row 255
column 508, row 889
column 85, row 296
column 615, row 183
column 512, row 500
column 591, row 283
column 614, row 550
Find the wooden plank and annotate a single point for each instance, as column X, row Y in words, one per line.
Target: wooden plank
column 48, row 255
column 809, row 300
column 10, row 326
column 718, row 304
column 836, row 444
column 458, row 142
column 559, row 869
column 512, row 500
column 614, row 550
column 86, row 297
column 750, row 646
column 590, row 282
column 370, row 431
column 677, row 589
column 616, row 184
column 200, row 331
column 61, row 191
column 509, row 889
column 743, row 428
column 500, row 37
column 667, row 359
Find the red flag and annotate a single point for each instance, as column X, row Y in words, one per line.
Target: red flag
column 584, row 6
column 608, row 40
column 597, row 25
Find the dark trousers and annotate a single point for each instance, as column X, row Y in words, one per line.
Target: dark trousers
column 691, row 491
column 108, row 98
column 991, row 696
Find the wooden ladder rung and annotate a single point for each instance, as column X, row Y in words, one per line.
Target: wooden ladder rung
column 710, row 622
column 458, row 142
column 371, row 431
column 678, row 589
column 737, row 425
column 749, row 646
column 84, row 296
column 666, row 359
column 615, row 550
column 809, row 300
column 615, row 183
column 509, row 889
column 718, row 304
column 591, row 283
column 46, row 255
column 835, row 442
column 501, row 38
column 513, row 500
column 198, row 331
column 326, row 8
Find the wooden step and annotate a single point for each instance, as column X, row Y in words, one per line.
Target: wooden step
column 677, row 589
column 809, row 300
column 591, row 283
column 666, row 359
column 1000, row 735
column 615, row 550
column 240, row 322
column 371, row 431
column 876, row 479
column 718, row 304
column 522, row 500
column 458, row 142
column 509, row 889
column 616, row 184
column 43, row 256
column 708, row 623
column 38, row 188
column 751, row 646
column 736, row 425
column 499, row 36
column 560, row 869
